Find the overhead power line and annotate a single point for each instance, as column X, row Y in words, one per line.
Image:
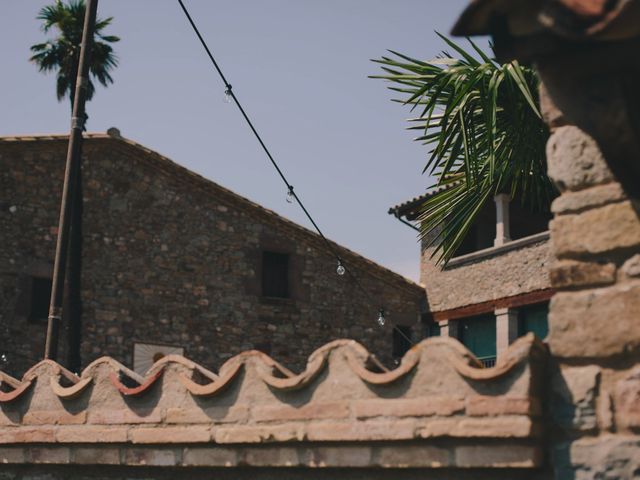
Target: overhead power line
column 291, row 193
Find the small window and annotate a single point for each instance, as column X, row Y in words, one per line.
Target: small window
column 275, row 275
column 401, row 340
column 40, row 296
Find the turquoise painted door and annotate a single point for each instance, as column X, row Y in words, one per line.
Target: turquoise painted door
column 535, row 319
column 478, row 334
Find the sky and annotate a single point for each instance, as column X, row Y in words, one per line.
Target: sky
column 300, row 69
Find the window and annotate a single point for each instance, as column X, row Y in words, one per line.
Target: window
column 478, row 334
column 534, row 318
column 401, row 340
column 40, row 296
column 275, row 275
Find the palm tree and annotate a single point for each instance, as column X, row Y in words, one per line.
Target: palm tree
column 62, row 53
column 485, row 132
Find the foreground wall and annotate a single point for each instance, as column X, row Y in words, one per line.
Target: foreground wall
column 438, row 412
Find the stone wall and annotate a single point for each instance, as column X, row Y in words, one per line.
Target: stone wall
column 172, row 258
column 439, row 414
column 497, row 273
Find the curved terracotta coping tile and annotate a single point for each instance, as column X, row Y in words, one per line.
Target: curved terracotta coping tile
column 408, row 363
column 9, row 380
column 180, row 360
column 314, row 366
column 15, row 393
column 217, row 385
column 67, row 393
column 124, row 390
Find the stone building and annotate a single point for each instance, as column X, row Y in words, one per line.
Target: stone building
column 496, row 287
column 174, row 263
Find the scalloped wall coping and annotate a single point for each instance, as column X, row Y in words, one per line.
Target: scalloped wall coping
column 437, row 391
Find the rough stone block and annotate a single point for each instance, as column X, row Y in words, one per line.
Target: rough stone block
column 574, row 160
column 631, row 267
column 269, row 457
column 43, row 434
column 403, row 456
column 191, row 434
column 57, row 455
column 595, row 323
column 258, row 434
column 502, row 405
column 574, row 391
column 604, row 457
column 606, row 229
column 474, row 427
column 150, row 456
column 53, row 417
column 575, row 202
column 572, row 273
column 210, row 456
column 12, row 455
column 498, row 456
column 418, row 407
column 340, row 456
column 374, row 430
column 91, row 434
column 627, row 400
column 305, row 412
column 96, row 456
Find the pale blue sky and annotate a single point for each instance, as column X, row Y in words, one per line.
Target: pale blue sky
column 300, row 69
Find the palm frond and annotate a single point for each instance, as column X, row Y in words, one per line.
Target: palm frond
column 482, row 124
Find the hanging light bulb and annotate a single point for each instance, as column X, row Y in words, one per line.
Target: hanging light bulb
column 290, row 194
column 381, row 319
column 340, row 269
column 3, row 358
column 227, row 94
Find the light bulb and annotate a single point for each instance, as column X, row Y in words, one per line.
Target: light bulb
column 340, row 269
column 227, row 94
column 290, row 195
column 3, row 358
column 381, row 319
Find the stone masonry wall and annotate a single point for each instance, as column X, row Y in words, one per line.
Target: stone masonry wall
column 500, row 275
column 594, row 319
column 171, row 258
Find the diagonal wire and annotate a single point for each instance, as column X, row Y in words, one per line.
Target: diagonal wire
column 229, row 92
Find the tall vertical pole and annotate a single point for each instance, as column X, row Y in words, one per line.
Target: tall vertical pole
column 72, row 170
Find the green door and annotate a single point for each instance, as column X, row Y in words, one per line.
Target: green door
column 534, row 318
column 478, row 334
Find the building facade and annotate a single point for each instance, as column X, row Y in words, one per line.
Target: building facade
column 496, row 288
column 174, row 263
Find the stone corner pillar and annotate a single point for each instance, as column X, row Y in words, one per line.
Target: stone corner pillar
column 506, row 328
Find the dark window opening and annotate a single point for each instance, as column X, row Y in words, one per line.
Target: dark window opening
column 524, row 223
column 534, row 318
column 401, row 340
column 481, row 234
column 478, row 334
column 40, row 296
column 275, row 275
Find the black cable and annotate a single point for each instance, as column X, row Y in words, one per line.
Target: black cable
column 290, row 190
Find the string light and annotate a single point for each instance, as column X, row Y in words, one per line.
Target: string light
column 227, row 94
column 4, row 359
column 340, row 270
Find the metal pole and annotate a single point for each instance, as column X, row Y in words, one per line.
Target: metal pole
column 72, row 169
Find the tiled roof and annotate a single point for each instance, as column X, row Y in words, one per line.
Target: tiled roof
column 438, row 392
column 232, row 199
column 410, row 208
